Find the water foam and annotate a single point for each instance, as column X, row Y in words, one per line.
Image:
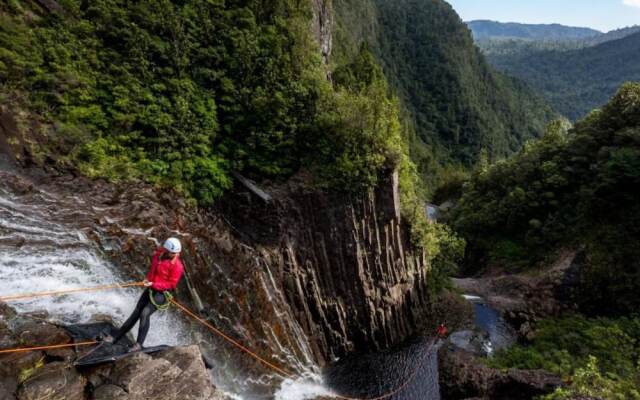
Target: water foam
column 308, row 388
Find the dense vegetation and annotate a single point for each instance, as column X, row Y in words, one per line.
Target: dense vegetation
column 574, row 76
column 598, row 357
column 575, row 188
column 181, row 92
column 455, row 104
column 483, row 29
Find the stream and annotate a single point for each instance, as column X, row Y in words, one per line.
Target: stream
column 490, row 332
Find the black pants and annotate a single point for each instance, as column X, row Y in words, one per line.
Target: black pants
column 143, row 312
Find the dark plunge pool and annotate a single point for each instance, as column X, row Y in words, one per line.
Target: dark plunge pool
column 408, row 372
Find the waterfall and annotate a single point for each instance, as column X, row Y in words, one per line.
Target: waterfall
column 45, row 245
column 40, row 252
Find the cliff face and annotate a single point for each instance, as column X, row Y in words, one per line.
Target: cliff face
column 344, row 264
column 306, row 277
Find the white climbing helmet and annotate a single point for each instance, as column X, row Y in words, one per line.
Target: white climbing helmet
column 173, row 245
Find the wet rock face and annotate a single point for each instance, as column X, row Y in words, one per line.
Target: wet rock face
column 462, row 376
column 344, row 264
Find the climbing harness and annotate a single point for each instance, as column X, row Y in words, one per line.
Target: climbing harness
column 168, row 297
column 171, row 300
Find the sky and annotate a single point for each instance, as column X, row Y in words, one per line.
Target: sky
column 603, row 15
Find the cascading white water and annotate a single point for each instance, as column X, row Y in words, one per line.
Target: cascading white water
column 37, row 253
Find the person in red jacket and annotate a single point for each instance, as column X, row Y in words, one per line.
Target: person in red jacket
column 164, row 275
column 442, row 331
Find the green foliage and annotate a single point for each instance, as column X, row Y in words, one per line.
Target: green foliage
column 454, row 103
column 358, row 127
column 572, row 188
column 590, row 382
column 180, row 92
column 599, row 357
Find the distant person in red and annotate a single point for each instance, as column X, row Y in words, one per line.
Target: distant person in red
column 164, row 275
column 442, row 331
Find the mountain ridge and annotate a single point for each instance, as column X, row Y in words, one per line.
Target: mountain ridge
column 576, row 81
column 483, row 29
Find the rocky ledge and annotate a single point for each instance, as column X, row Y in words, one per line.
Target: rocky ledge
column 525, row 298
column 463, row 376
column 176, row 373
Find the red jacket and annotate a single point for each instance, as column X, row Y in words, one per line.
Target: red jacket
column 164, row 274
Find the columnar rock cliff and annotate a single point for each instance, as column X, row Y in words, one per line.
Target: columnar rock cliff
column 302, row 278
column 344, row 264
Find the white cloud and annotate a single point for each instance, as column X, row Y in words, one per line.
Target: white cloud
column 632, row 3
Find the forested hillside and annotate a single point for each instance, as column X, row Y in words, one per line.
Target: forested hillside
column 571, row 189
column 575, row 71
column 181, row 93
column 456, row 103
column 576, row 81
column 498, row 42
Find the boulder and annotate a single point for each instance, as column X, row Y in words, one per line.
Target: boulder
column 16, row 366
column 6, row 312
column 174, row 374
column 33, row 332
column 194, row 381
column 56, row 380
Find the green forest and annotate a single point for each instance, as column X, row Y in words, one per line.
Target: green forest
column 573, row 76
column 181, row 93
column 576, row 187
column 455, row 104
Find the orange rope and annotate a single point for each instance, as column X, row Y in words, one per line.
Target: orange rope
column 233, row 342
column 287, row 373
column 59, row 292
column 54, row 346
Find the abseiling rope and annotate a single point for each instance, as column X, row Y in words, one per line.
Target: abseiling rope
column 58, row 293
column 52, row 346
column 233, row 342
column 67, row 291
column 197, row 318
